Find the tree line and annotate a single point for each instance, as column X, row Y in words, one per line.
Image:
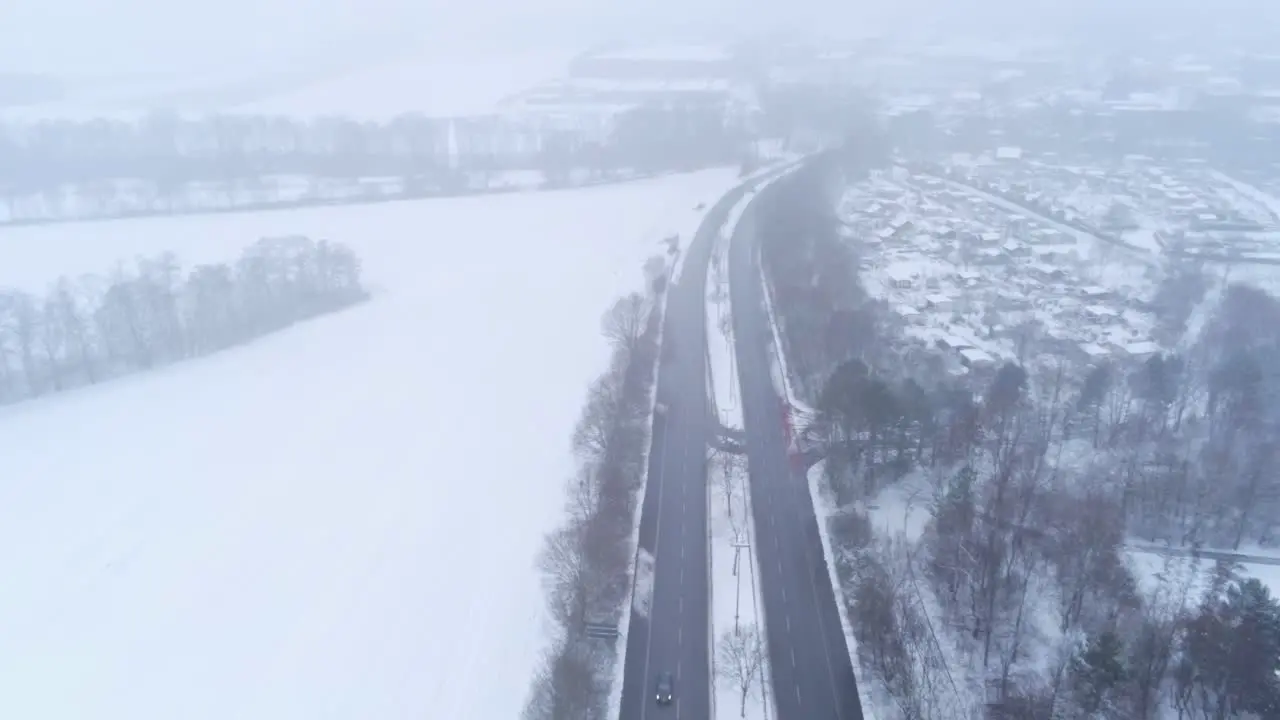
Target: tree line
column 586, row 562
column 1017, row 597
column 151, row 313
column 163, row 162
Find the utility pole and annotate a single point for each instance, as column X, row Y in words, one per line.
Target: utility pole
column 738, row 546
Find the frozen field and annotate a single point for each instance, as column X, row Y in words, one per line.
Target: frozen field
column 434, row 86
column 337, row 521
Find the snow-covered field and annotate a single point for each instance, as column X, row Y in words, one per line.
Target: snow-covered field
column 429, row 85
column 338, row 521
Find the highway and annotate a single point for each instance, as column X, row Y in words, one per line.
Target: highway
column 673, row 515
column 812, row 675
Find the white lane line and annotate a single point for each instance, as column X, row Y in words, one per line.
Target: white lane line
column 797, row 694
column 788, row 618
column 793, row 657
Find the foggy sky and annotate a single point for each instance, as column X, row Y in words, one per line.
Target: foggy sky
column 91, row 36
column 185, row 35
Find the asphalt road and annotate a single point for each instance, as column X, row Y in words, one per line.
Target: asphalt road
column 673, row 516
column 812, row 675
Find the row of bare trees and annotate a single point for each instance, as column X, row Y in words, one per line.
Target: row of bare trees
column 586, row 561
column 164, row 163
column 149, row 314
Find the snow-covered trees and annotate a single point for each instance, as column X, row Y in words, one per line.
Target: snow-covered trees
column 53, row 170
column 150, row 313
column 1230, row 661
column 585, row 563
column 1037, row 474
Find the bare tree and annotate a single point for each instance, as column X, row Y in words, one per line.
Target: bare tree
column 740, row 654
column 625, row 323
column 729, row 468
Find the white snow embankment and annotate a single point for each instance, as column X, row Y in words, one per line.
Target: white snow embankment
column 737, row 605
column 719, row 307
column 721, row 358
column 823, row 508
column 642, row 598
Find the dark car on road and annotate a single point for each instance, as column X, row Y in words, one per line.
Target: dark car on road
column 666, row 688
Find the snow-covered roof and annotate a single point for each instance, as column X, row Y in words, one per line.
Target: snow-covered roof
column 1142, row 347
column 899, row 274
column 976, row 356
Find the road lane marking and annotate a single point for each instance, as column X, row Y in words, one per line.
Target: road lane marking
column 657, row 536
column 793, row 653
column 788, row 619
column 797, row 694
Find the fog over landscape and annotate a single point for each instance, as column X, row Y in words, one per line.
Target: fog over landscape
column 574, row 360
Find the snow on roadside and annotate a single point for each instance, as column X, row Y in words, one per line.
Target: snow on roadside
column 719, row 307
column 737, row 603
column 823, row 508
column 642, row 598
column 722, row 364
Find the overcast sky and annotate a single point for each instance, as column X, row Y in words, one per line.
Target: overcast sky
column 191, row 35
column 94, row 35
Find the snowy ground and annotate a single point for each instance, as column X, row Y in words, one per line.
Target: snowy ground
column 300, row 528
column 1262, row 563
column 903, row 511
column 723, row 369
column 434, row 86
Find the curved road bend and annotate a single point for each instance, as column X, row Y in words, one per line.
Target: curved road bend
column 812, row 674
